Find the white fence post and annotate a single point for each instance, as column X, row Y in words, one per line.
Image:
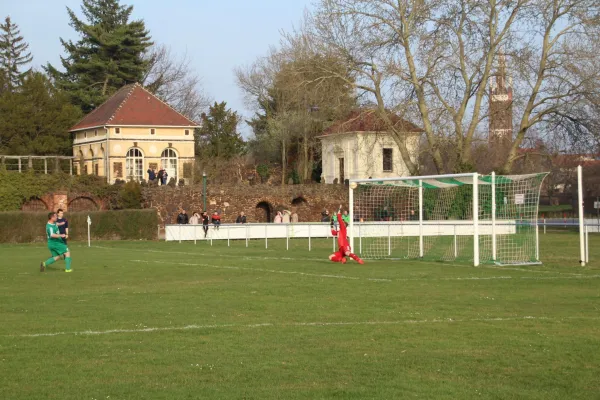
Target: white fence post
column 287, row 236
column 246, row 235
column 266, row 238
column 544, row 225
column 309, row 238
column 179, row 233
column 195, row 233
column 360, row 239
column 455, row 244
column 228, row 229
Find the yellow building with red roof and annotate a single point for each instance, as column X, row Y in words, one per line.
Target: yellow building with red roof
column 130, row 133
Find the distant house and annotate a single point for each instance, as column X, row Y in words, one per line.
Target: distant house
column 131, row 132
column 360, row 147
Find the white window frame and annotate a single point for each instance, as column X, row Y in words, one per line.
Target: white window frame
column 134, row 164
column 170, row 162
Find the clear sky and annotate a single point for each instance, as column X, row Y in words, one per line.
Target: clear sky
column 217, row 35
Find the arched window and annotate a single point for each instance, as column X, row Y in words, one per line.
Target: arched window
column 134, row 164
column 169, row 162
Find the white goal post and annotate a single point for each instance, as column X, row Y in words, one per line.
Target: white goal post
column 432, row 217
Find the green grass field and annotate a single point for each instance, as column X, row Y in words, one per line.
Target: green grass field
column 140, row 320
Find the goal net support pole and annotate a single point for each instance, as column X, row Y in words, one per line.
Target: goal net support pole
column 581, row 218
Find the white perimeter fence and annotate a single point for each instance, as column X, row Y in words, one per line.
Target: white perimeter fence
column 247, row 232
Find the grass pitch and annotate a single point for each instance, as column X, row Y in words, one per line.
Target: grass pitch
column 140, row 320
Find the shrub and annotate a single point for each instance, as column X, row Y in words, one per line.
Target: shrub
column 130, row 196
column 21, row 227
column 263, row 171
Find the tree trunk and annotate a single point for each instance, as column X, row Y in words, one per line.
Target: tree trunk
column 306, row 161
column 105, row 86
column 283, row 161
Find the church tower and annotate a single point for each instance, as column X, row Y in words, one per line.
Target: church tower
column 501, row 97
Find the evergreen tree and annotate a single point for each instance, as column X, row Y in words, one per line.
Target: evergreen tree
column 36, row 118
column 108, row 55
column 218, row 136
column 13, row 55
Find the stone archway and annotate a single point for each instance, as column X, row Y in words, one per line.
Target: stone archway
column 264, row 212
column 299, row 201
column 82, row 204
column 34, row 205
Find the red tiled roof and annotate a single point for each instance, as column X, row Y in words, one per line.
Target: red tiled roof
column 369, row 121
column 133, row 105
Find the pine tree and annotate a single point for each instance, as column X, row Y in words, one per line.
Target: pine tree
column 218, row 136
column 108, row 55
column 13, row 55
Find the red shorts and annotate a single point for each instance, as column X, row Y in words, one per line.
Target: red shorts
column 344, row 249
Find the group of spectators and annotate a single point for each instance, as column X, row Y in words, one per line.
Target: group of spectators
column 161, row 177
column 285, row 217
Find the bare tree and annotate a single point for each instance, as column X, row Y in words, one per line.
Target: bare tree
column 432, row 60
column 171, row 78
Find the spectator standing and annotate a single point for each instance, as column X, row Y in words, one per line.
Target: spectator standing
column 286, row 217
column 195, row 220
column 216, row 220
column 205, row 223
column 278, row 218
column 241, row 219
column 63, row 224
column 182, row 218
column 413, row 216
column 294, row 217
column 160, row 174
column 151, row 175
column 165, row 177
column 325, row 216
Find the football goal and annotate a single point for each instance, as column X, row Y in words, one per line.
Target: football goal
column 461, row 217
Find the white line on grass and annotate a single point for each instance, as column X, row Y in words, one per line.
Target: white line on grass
column 302, row 324
column 355, row 278
column 263, row 270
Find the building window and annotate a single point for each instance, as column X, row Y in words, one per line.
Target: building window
column 152, row 131
column 168, row 161
column 187, row 132
column 85, row 135
column 134, row 164
column 388, row 160
column 96, row 132
column 117, row 130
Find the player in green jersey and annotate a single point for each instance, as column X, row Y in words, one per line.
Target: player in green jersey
column 56, row 245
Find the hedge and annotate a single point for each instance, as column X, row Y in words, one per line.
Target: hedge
column 25, row 227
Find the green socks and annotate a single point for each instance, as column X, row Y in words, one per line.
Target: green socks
column 68, row 261
column 49, row 261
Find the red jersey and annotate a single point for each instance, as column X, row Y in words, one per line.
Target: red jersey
column 342, row 235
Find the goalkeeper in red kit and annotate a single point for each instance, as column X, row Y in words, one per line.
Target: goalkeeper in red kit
column 344, row 247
